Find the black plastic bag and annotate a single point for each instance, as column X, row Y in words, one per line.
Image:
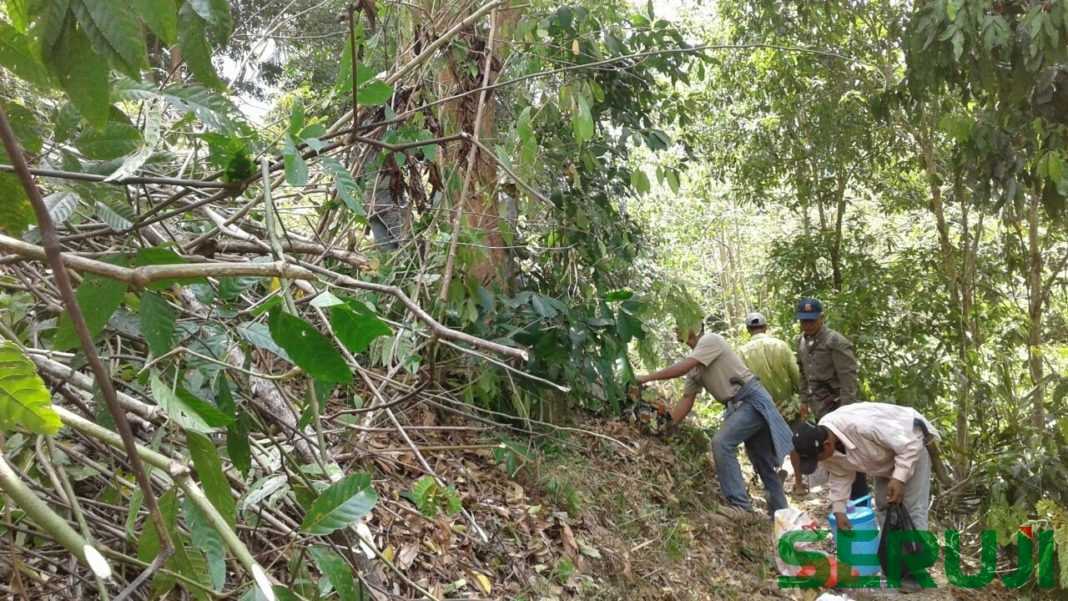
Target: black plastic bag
column 897, row 519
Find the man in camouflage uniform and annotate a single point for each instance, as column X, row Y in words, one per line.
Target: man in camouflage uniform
column 828, row 371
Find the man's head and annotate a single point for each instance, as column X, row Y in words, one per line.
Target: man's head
column 690, row 335
column 813, row 444
column 755, row 323
column 810, row 314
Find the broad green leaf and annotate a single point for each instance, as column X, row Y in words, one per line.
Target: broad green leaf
column 210, row 473
column 16, row 213
column 161, row 16
column 51, row 19
column 115, row 140
column 83, row 74
column 310, row 350
column 296, row 118
column 356, row 326
column 17, row 54
column 111, row 216
column 153, row 115
column 114, row 31
column 237, row 445
column 217, row 14
column 582, row 119
column 259, row 336
column 205, row 538
column 296, row 167
column 337, row 571
column 188, row 411
column 19, row 13
column 148, row 546
column 640, row 181
column 27, row 129
column 262, row 490
column 374, row 93
column 157, row 323
column 24, row 400
column 431, row 498
column 340, row 505
column 216, row 112
column 61, row 206
column 98, row 298
column 196, row 46
column 347, row 188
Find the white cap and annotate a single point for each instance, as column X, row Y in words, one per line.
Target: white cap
column 755, row 320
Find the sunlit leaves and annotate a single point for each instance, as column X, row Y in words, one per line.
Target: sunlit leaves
column 374, row 93
column 18, row 55
column 340, row 505
column 310, row 350
column 296, row 167
column 186, row 410
column 114, row 32
column 195, row 41
column 582, row 119
column 24, row 400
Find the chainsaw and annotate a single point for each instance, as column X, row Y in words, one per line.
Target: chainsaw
column 651, row 414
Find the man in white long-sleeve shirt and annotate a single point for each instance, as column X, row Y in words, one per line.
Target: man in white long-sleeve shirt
column 889, row 442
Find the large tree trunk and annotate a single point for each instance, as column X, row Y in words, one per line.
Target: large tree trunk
column 481, row 207
column 1036, row 296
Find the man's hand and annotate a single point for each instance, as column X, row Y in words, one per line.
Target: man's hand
column 642, row 379
column 842, row 521
column 895, row 491
column 803, row 411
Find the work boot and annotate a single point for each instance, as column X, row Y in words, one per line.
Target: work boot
column 909, row 585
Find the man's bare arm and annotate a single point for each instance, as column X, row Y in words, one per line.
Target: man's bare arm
column 680, row 411
column 670, row 373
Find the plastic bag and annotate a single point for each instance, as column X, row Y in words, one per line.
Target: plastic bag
column 898, row 519
column 791, row 519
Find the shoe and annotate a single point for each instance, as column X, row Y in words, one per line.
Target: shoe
column 909, row 586
column 739, row 515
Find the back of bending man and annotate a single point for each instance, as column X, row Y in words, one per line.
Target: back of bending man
column 750, row 416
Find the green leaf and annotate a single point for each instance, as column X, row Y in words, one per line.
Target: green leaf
column 16, row 213
column 116, row 139
column 148, row 546
column 83, row 74
column 672, row 177
column 186, row 410
column 237, row 444
column 216, row 112
column 114, row 31
column 17, row 54
column 259, row 336
column 115, row 220
column 431, row 498
column 640, row 181
column 296, row 118
column 24, row 400
column 61, row 206
column 157, row 323
column 375, row 93
column 296, row 168
column 160, row 255
column 310, row 350
column 161, row 16
column 356, row 326
column 582, row 119
column 347, row 188
column 217, row 14
column 205, row 538
column 98, row 298
column 336, row 570
column 340, row 505
column 210, row 472
column 343, row 82
column 196, row 47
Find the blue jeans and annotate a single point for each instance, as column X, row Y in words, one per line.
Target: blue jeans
column 744, row 423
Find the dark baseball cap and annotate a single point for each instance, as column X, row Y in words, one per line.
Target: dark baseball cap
column 808, row 442
column 809, row 308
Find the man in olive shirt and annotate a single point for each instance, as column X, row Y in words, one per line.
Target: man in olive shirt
column 750, row 416
column 774, row 363
column 828, row 370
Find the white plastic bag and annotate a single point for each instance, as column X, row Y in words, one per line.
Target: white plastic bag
column 791, row 519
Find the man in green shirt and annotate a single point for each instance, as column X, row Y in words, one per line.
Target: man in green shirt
column 773, row 362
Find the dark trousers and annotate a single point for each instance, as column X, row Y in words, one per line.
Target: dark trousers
column 860, row 486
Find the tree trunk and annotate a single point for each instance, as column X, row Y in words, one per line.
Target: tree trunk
column 836, row 243
column 1036, row 297
column 481, row 207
